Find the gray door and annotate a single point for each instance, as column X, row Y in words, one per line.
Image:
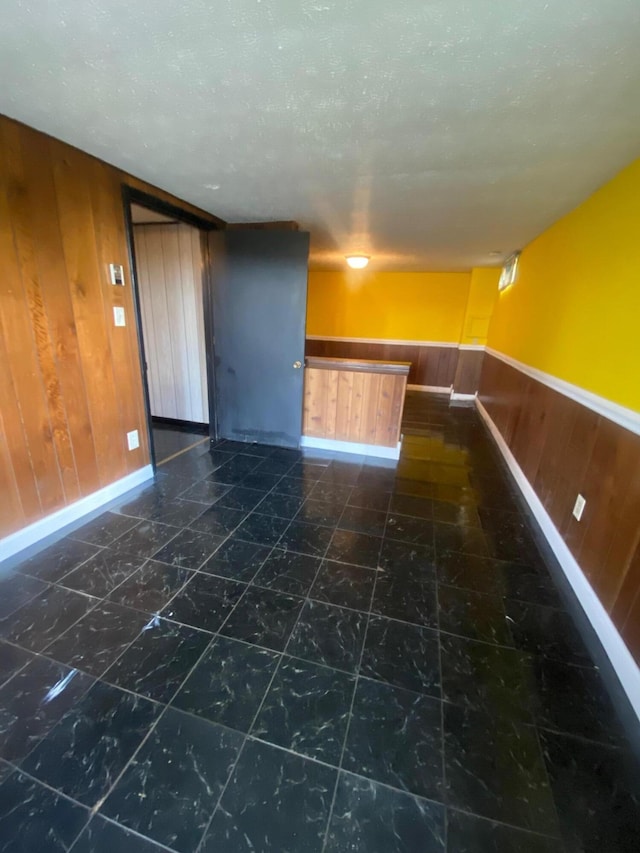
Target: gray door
column 259, row 281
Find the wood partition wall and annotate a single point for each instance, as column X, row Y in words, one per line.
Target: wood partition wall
column 566, row 449
column 70, row 381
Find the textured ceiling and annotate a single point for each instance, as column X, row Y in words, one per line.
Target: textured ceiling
column 425, row 132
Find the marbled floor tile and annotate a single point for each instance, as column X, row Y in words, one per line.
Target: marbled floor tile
column 574, row 699
column 178, row 512
column 467, row 571
column 405, row 528
column 262, row 529
column 473, row 614
column 470, row 834
column 306, row 538
column 297, row 486
column 415, row 560
column 287, row 571
column 104, row 529
column 395, row 737
column 370, row 818
column 358, row 549
column 33, row 701
column 205, row 602
column 102, row 836
column 306, row 710
column 411, row 505
column 144, row 539
column 453, row 513
column 5, row 770
column 405, row 597
column 45, row 617
column 33, row 818
column 404, row 655
column 332, row 492
column 12, row 659
column 16, row 590
column 150, row 587
column 58, row 560
column 540, row 630
column 102, row 573
column 96, row 640
column 329, row 635
column 597, row 794
column 363, row 520
column 495, row 678
column 241, row 498
column 188, row 549
column 159, row 660
column 275, row 801
column 264, row 617
column 342, row 471
column 344, row 585
column 237, row 559
column 206, row 491
column 525, row 583
column 307, row 470
column 282, row 506
column 171, row 788
column 228, row 684
column 324, row 513
column 494, row 768
column 369, row 498
column 219, row 520
column 260, row 480
column 86, row 751
column 467, row 540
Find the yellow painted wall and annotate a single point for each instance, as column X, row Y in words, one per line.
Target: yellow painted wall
column 417, row 306
column 574, row 311
column 483, row 292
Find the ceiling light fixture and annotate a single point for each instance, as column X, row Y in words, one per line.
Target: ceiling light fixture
column 357, row 262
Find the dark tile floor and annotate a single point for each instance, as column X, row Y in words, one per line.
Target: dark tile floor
column 271, row 651
column 169, row 440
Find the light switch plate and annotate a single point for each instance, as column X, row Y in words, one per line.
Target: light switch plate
column 133, row 440
column 118, row 316
column 578, row 508
column 116, row 274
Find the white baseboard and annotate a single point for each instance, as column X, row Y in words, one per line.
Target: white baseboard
column 433, row 389
column 351, row 447
column 621, row 659
column 456, row 396
column 21, row 539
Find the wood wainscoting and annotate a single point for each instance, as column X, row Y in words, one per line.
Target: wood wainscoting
column 70, row 381
column 565, row 449
column 432, row 365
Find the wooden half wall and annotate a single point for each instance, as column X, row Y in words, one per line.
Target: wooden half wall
column 70, row 381
column 564, row 449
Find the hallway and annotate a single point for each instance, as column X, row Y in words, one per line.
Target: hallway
column 271, row 650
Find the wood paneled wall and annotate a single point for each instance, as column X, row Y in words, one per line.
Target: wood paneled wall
column 70, row 381
column 169, row 267
column 430, row 365
column 565, row 449
column 346, row 405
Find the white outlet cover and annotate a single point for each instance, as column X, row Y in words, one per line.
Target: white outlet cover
column 118, row 316
column 133, row 439
column 578, row 508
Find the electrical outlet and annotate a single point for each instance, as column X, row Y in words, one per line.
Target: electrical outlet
column 578, row 508
column 118, row 316
column 133, row 440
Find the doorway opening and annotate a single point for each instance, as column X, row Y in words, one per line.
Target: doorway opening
column 169, row 259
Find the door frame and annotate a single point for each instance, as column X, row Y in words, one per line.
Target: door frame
column 131, row 195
